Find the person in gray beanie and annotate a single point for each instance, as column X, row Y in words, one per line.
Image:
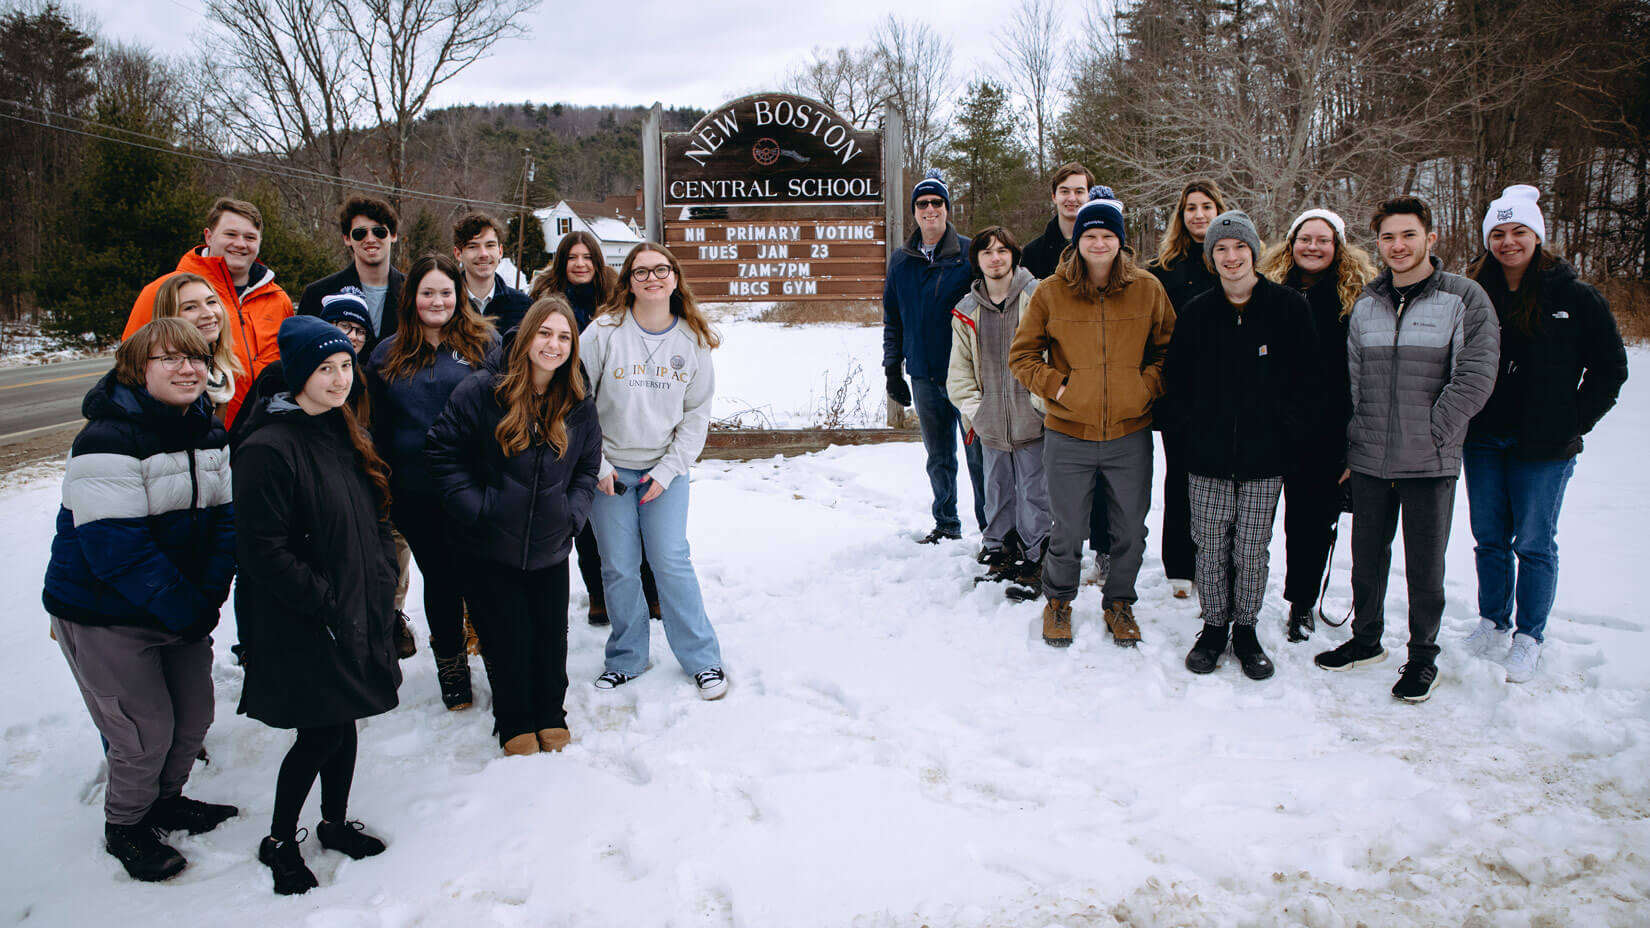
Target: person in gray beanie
column 1234, row 223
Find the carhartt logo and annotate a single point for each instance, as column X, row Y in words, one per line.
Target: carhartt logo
column 1502, row 215
column 1263, row 351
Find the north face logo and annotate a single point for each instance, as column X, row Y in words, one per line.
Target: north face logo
column 1502, row 215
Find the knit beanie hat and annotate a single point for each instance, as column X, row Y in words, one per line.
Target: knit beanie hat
column 934, row 184
column 1517, row 204
column 1329, row 216
column 1234, row 223
column 305, row 342
column 1102, row 211
column 347, row 305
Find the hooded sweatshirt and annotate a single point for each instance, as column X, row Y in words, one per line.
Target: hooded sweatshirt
column 995, row 406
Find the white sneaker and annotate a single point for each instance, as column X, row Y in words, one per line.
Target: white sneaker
column 1486, row 639
column 713, row 684
column 1521, row 662
column 1182, row 589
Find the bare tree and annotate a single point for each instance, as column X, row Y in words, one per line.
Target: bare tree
column 1031, row 48
column 916, row 68
column 403, row 50
column 849, row 80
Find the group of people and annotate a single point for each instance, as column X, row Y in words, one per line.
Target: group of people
column 1297, row 373
column 437, row 416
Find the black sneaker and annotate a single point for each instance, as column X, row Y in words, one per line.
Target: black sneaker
column 612, row 680
column 938, row 535
column 712, row 683
column 1415, row 682
column 1206, row 651
column 286, row 862
column 180, row 813
column 1256, row 665
column 1351, row 654
column 141, row 851
column 350, row 838
column 1300, row 623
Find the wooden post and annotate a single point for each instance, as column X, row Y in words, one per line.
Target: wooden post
column 893, row 177
column 653, row 177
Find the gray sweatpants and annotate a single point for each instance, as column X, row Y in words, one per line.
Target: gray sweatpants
column 1425, row 505
column 1072, row 467
column 150, row 694
column 1016, row 496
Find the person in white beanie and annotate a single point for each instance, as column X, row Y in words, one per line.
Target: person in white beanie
column 1562, row 366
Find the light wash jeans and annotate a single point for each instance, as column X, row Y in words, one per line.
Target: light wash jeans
column 623, row 524
column 1514, row 507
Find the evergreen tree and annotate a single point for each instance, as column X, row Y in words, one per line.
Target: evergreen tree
column 986, row 162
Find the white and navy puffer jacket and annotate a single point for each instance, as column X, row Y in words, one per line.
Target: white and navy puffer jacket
column 146, row 532
column 1419, row 373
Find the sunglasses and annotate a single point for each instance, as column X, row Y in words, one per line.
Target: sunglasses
column 930, row 203
column 359, row 233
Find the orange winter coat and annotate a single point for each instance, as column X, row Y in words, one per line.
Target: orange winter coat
column 1107, row 353
column 253, row 319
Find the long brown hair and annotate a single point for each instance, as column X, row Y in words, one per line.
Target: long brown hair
column 682, row 302
column 1074, row 270
column 166, row 307
column 467, row 332
column 1519, row 310
column 378, row 472
column 1177, row 241
column 553, row 279
column 529, row 415
column 1352, row 266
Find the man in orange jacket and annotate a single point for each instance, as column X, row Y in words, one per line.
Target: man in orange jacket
column 229, row 262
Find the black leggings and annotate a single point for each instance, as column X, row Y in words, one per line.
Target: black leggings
column 441, row 561
column 327, row 752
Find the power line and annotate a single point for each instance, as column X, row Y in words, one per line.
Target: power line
column 287, row 172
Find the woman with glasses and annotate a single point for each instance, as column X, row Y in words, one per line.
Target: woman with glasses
column 190, row 298
column 439, row 342
column 140, row 566
column 647, row 357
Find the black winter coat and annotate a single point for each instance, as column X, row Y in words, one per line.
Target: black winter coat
column 316, row 599
column 1554, row 386
column 1325, row 443
column 310, row 303
column 522, row 510
column 1185, row 278
column 1042, row 255
column 1243, row 387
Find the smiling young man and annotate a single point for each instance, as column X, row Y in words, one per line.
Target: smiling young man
column 1422, row 350
column 1069, row 191
column 925, row 280
column 368, row 229
column 228, row 260
column 478, row 244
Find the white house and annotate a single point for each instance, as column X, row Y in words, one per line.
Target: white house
column 616, row 222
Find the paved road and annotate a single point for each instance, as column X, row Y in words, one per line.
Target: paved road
column 37, row 400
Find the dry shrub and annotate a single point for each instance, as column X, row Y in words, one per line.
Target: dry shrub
column 1630, row 300
column 802, row 312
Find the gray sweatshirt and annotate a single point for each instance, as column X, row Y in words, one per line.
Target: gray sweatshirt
column 653, row 393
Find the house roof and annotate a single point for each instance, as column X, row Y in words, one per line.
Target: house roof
column 619, row 206
column 612, row 230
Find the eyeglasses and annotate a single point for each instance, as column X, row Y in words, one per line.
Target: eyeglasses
column 930, row 203
column 359, row 233
column 174, row 362
column 657, row 272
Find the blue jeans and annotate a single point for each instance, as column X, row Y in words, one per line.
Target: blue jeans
column 941, row 424
column 623, row 524
column 1514, row 507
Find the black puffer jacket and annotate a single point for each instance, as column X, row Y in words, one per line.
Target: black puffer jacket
column 522, row 510
column 1554, row 386
column 1243, row 388
column 1325, row 442
column 316, row 599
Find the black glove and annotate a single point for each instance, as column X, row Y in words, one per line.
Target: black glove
column 898, row 391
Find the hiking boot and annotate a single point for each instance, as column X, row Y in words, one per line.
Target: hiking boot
column 554, row 739
column 1488, row 640
column 141, row 851
column 1415, row 682
column 1057, row 623
column 1205, row 654
column 598, row 614
column 1523, row 659
column 1256, row 665
column 180, row 813
column 1351, row 653
column 453, row 673
column 612, row 679
column 1120, row 620
column 654, row 612
column 472, row 642
column 286, row 862
column 1001, row 564
column 938, row 535
column 1301, row 622
column 1027, row 582
column 405, row 645
column 712, row 683
column 350, row 837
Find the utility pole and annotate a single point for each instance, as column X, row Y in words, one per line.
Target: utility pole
column 527, row 173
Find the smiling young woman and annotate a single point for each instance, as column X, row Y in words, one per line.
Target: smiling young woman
column 189, row 297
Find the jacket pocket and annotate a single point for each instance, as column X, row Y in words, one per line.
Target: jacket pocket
column 1081, row 400
column 1131, row 398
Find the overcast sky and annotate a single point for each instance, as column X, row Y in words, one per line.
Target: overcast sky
column 676, row 53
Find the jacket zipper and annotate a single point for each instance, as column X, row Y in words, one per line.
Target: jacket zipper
column 532, row 504
column 1392, row 381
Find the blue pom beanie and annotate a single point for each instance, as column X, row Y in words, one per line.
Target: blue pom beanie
column 934, row 184
column 1102, row 211
column 305, row 342
column 347, row 305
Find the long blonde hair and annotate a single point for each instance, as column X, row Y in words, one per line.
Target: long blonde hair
column 1352, row 266
column 682, row 302
column 529, row 415
column 166, row 307
column 1177, row 242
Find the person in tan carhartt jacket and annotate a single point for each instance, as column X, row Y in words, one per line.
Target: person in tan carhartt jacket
column 1103, row 326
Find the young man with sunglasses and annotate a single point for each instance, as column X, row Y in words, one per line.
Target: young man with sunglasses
column 368, row 226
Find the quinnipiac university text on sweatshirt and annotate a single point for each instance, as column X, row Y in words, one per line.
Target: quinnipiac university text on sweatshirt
column 653, row 393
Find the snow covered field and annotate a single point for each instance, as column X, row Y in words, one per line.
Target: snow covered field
column 899, row 748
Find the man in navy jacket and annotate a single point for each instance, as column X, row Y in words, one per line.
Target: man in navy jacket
column 477, row 244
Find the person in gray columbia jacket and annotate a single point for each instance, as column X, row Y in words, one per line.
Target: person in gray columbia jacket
column 1422, row 350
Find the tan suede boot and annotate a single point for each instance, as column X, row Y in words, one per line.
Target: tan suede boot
column 527, row 743
column 1120, row 619
column 554, row 739
column 1057, row 623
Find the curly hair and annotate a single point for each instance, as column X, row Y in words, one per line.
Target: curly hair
column 1353, row 268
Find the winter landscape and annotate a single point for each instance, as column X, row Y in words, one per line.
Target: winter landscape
column 900, row 748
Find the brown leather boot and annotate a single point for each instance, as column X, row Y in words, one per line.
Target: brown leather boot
column 1120, row 619
column 554, row 739
column 1057, row 623
column 472, row 643
column 527, row 743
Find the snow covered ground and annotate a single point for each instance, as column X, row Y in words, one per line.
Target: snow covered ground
column 899, row 748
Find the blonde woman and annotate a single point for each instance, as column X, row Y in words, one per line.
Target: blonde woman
column 190, row 298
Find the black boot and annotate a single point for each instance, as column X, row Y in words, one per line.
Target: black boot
column 286, row 862
column 1300, row 622
column 453, row 673
column 1256, row 665
column 1206, row 651
column 405, row 645
column 350, row 838
column 1000, row 564
column 180, row 813
column 141, row 851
